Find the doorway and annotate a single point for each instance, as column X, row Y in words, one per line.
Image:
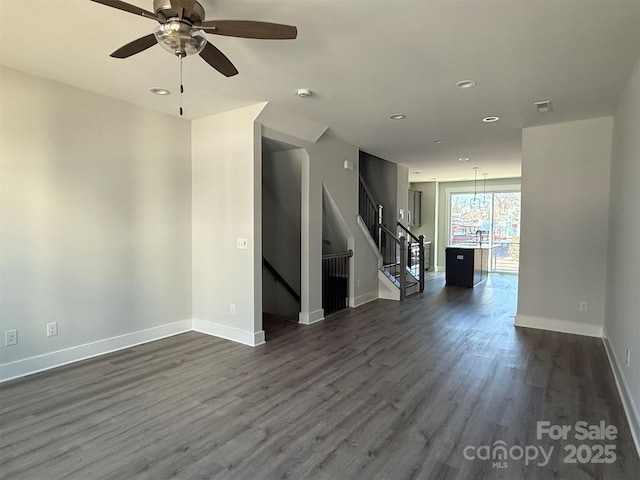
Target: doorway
column 281, row 235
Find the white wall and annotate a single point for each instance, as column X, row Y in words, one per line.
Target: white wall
column 335, row 232
column 565, row 203
column 327, row 157
column 402, row 189
column 325, row 167
column 95, row 228
column 227, row 206
column 622, row 320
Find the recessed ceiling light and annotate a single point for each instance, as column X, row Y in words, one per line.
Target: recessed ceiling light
column 398, row 116
column 466, row 84
column 438, row 141
column 490, row 119
column 463, row 159
column 159, row 91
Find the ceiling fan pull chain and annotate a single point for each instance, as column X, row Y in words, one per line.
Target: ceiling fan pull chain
column 181, row 85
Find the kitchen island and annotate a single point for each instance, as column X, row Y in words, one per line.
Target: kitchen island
column 466, row 265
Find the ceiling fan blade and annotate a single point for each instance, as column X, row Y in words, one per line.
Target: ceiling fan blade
column 250, row 29
column 218, row 60
column 136, row 46
column 127, row 8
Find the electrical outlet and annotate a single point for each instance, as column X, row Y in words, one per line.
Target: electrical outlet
column 583, row 306
column 233, row 309
column 10, row 337
column 628, row 357
column 52, row 329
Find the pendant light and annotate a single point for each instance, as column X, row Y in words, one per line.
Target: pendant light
column 475, row 201
column 485, row 202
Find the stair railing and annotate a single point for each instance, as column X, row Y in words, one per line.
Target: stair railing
column 368, row 210
column 415, row 253
column 335, row 281
column 394, row 258
column 281, row 279
column 401, row 251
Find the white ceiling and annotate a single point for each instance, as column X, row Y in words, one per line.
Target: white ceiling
column 364, row 60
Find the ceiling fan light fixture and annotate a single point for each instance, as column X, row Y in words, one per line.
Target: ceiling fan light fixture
column 180, row 38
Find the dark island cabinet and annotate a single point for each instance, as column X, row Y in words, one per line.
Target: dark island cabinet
column 466, row 266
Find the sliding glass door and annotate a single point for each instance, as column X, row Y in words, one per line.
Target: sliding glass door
column 505, row 232
column 491, row 219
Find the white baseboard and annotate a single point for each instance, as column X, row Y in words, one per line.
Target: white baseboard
column 364, row 298
column 630, row 408
column 309, row 318
column 555, row 325
column 253, row 339
column 46, row 361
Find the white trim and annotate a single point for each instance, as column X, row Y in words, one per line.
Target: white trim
column 367, row 235
column 364, row 298
column 386, row 288
column 253, row 339
column 351, row 245
column 305, row 235
column 386, row 295
column 556, row 325
column 309, row 318
column 630, row 408
column 46, row 361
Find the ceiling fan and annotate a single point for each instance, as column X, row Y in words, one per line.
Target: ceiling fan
column 182, row 27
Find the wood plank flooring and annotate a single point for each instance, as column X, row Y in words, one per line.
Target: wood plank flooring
column 385, row 391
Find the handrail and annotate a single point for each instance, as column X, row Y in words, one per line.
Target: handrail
column 366, row 189
column 407, row 231
column 390, row 233
column 280, row 279
column 420, row 243
column 368, row 209
column 348, row 253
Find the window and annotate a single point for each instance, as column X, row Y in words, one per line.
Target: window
column 491, row 219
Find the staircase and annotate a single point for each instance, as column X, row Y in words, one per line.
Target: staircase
column 401, row 252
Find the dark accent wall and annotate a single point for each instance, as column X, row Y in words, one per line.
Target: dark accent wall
column 381, row 176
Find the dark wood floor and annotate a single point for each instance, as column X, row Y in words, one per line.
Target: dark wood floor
column 386, row 391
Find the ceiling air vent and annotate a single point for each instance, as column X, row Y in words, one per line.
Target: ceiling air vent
column 543, row 107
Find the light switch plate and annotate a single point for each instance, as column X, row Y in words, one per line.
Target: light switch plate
column 242, row 243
